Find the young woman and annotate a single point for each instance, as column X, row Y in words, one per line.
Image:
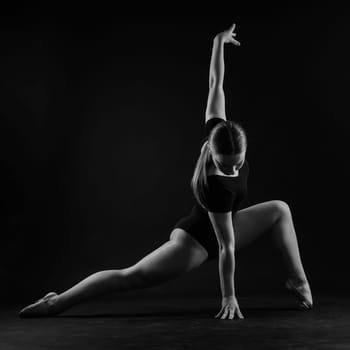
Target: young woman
column 215, row 227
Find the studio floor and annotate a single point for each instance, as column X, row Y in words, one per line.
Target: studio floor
column 183, row 323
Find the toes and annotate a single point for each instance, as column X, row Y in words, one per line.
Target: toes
column 34, row 310
column 305, row 306
column 302, row 292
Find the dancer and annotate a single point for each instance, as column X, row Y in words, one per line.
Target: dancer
column 215, row 228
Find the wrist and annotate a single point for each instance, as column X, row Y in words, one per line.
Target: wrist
column 219, row 39
column 228, row 297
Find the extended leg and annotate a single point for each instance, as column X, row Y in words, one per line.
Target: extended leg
column 168, row 261
column 98, row 283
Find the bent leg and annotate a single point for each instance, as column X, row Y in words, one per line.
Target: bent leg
column 274, row 217
column 169, row 261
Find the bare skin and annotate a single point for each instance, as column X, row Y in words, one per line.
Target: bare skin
column 182, row 253
column 222, row 222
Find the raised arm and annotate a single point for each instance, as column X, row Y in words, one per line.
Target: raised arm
column 216, row 97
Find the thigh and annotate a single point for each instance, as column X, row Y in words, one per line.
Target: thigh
column 249, row 223
column 170, row 260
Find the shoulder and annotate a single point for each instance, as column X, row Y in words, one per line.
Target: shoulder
column 218, row 185
column 219, row 195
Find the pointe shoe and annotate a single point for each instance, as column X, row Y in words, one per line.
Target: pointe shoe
column 40, row 308
column 303, row 292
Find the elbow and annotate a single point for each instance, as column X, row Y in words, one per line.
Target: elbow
column 227, row 247
column 215, row 84
column 212, row 82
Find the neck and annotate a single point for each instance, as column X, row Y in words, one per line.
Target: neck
column 214, row 170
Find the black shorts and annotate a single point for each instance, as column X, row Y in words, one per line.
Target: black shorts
column 198, row 225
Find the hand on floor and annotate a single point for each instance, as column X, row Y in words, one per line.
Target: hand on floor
column 229, row 307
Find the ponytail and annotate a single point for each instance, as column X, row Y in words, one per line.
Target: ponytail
column 226, row 138
column 199, row 178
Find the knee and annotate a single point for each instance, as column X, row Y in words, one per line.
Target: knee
column 280, row 209
column 132, row 278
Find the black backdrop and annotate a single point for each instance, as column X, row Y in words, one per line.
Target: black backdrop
column 101, row 121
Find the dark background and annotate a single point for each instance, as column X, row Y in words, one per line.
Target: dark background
column 102, row 115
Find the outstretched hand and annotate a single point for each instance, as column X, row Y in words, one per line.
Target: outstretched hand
column 228, row 36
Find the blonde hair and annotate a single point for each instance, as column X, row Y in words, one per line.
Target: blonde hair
column 227, row 137
column 199, row 178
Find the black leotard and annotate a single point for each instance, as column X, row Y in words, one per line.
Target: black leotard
column 224, row 193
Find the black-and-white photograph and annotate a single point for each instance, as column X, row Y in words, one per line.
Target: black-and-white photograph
column 175, row 181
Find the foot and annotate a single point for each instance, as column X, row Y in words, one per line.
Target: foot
column 41, row 308
column 303, row 292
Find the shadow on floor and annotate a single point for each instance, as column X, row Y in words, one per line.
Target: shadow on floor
column 271, row 322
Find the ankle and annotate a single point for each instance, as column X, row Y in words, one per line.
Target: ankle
column 53, row 305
